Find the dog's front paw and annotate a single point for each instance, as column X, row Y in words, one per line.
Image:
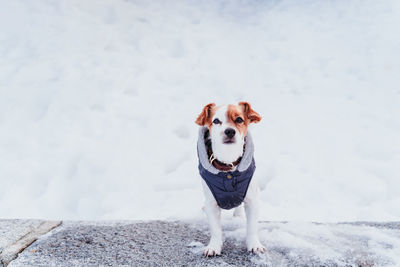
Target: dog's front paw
column 255, row 246
column 212, row 250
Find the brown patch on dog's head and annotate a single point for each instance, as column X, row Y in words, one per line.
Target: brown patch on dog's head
column 204, row 119
column 237, row 118
column 241, row 116
column 250, row 114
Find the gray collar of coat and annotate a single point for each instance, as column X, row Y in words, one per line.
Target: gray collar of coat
column 203, row 157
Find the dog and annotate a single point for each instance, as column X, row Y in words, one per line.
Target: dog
column 226, row 165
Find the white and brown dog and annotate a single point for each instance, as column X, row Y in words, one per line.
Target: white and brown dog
column 226, row 164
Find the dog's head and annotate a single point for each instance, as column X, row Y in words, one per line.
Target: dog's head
column 228, row 126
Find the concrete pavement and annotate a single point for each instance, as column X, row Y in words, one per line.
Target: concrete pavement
column 16, row 235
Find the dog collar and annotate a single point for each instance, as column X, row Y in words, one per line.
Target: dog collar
column 219, row 165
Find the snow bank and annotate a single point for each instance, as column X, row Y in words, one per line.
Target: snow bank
column 98, row 101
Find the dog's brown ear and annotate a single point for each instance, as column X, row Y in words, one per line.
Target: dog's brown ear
column 205, row 114
column 252, row 116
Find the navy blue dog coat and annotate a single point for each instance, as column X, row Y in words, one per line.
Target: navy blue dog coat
column 228, row 188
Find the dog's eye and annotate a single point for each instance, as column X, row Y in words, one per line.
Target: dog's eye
column 217, row 121
column 239, row 120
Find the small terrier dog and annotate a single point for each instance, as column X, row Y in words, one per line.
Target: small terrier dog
column 226, row 164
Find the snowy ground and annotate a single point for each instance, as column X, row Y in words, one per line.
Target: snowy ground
column 98, row 101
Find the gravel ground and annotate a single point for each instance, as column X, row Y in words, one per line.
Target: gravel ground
column 155, row 243
column 160, row 243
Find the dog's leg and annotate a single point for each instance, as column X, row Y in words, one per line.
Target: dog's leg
column 239, row 212
column 214, row 219
column 251, row 205
column 213, row 213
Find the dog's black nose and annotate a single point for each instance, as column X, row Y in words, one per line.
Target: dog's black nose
column 230, row 132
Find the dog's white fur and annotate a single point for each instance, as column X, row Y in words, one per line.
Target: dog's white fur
column 229, row 153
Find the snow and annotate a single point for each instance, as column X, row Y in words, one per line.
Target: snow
column 98, row 101
column 313, row 244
